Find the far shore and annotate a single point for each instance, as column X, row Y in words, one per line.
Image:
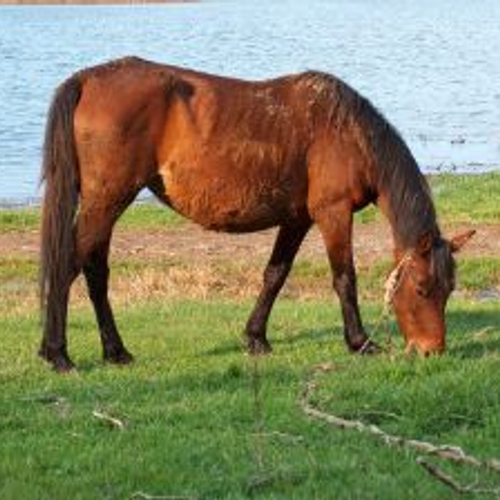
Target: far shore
column 89, row 2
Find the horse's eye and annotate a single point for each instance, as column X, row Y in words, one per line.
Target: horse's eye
column 423, row 289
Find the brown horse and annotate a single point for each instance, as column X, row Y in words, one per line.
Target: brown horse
column 235, row 156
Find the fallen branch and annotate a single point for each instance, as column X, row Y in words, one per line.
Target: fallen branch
column 449, row 481
column 112, row 422
column 444, row 452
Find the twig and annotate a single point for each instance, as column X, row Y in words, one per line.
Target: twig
column 442, row 476
column 448, row 480
column 445, row 452
column 109, row 420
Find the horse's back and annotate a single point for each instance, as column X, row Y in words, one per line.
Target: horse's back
column 233, row 154
column 226, row 153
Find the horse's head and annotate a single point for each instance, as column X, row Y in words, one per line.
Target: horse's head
column 418, row 289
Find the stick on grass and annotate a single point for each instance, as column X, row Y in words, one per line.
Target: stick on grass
column 444, row 452
column 112, row 422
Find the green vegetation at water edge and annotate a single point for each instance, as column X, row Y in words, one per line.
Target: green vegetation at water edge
column 21, row 219
column 150, row 215
column 145, row 215
column 459, row 198
column 467, row 198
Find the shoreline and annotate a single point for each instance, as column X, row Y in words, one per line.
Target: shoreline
column 7, row 203
column 90, row 2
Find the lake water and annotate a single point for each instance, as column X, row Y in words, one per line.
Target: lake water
column 432, row 66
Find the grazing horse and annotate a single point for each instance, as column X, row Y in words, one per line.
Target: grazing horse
column 233, row 156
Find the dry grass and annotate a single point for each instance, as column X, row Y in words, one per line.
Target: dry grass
column 133, row 281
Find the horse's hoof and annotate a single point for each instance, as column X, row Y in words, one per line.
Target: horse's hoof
column 61, row 363
column 121, row 357
column 368, row 348
column 258, row 347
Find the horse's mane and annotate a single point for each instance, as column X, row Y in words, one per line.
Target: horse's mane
column 412, row 213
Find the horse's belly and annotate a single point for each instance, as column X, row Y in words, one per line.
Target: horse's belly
column 232, row 199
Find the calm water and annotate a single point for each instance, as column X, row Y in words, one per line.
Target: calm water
column 431, row 66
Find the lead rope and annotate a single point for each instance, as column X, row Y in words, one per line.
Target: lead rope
column 394, row 281
column 391, row 286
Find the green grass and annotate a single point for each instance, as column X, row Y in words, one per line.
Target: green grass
column 150, row 215
column 467, row 198
column 475, row 275
column 479, row 273
column 199, row 422
column 22, row 219
column 367, row 215
column 146, row 215
column 459, row 199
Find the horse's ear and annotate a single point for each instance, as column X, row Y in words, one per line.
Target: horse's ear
column 425, row 243
column 457, row 242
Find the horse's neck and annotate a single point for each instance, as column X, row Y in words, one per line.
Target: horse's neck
column 383, row 202
column 409, row 209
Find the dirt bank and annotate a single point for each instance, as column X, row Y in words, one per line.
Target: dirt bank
column 371, row 242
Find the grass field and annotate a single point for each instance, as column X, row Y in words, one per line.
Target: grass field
column 194, row 418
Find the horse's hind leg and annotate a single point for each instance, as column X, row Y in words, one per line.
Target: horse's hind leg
column 286, row 246
column 93, row 235
column 96, row 273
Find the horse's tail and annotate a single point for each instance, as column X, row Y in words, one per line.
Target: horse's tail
column 61, row 175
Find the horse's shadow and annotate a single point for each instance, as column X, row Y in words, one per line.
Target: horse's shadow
column 471, row 334
column 289, row 339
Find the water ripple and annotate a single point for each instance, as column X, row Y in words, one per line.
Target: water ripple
column 431, row 67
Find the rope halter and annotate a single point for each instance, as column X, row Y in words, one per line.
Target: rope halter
column 395, row 279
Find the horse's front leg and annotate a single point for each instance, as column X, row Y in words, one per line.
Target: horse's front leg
column 336, row 229
column 285, row 248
